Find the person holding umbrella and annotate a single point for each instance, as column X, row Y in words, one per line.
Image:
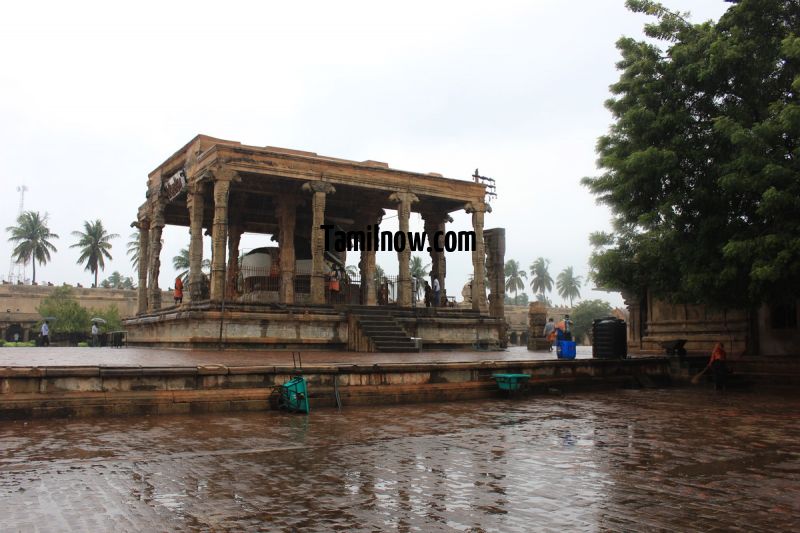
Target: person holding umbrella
column 96, row 331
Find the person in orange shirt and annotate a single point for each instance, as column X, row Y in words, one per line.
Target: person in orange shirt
column 718, row 367
column 178, row 290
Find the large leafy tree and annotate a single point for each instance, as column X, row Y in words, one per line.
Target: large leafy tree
column 514, row 275
column 584, row 313
column 702, row 163
column 93, row 243
column 541, row 281
column 568, row 285
column 32, row 239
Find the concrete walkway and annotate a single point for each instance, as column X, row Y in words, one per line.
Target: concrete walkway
column 159, row 357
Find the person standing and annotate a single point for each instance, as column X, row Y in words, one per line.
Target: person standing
column 436, row 290
column 178, row 290
column 549, row 332
column 719, row 368
column 45, row 334
column 95, row 335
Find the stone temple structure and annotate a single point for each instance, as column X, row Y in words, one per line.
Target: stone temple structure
column 282, row 297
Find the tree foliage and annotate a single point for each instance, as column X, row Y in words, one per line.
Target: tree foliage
column 541, row 281
column 701, row 165
column 93, row 243
column 583, row 314
column 118, row 281
column 568, row 285
column 514, row 275
column 181, row 264
column 69, row 316
column 32, row 239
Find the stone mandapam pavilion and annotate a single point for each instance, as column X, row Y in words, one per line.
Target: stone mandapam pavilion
column 224, row 189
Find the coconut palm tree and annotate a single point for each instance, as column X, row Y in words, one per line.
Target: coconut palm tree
column 568, row 285
column 541, row 281
column 181, row 263
column 514, row 278
column 94, row 246
column 133, row 250
column 31, row 236
column 418, row 272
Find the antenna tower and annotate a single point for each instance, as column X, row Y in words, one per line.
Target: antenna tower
column 18, row 271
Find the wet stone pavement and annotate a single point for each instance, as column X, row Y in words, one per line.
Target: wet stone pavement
column 634, row 460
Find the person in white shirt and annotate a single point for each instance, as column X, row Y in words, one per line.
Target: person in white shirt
column 45, row 334
column 95, row 335
column 436, row 290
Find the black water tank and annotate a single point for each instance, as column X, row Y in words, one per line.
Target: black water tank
column 609, row 338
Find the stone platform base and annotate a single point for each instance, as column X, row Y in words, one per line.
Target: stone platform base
column 279, row 327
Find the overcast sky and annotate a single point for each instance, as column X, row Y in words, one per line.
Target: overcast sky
column 95, row 95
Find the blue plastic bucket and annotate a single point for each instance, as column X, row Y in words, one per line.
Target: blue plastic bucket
column 566, row 349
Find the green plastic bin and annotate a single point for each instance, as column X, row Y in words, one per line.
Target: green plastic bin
column 294, row 395
column 511, row 382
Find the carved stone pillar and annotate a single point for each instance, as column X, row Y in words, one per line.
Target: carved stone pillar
column 143, row 226
column 366, row 264
column 318, row 189
column 234, row 237
column 195, row 203
column 154, row 255
column 287, row 218
column 404, row 201
column 219, row 237
column 479, row 302
column 495, row 261
column 436, row 222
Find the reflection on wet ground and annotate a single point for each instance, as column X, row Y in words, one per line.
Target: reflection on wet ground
column 629, row 460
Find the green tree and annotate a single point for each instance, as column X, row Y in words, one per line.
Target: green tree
column 70, row 317
column 541, row 281
column 181, row 264
column 94, row 246
column 700, row 166
column 514, row 277
column 110, row 314
column 117, row 281
column 544, row 299
column 32, row 238
column 583, row 314
column 568, row 285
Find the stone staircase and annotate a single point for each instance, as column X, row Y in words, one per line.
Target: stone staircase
column 382, row 329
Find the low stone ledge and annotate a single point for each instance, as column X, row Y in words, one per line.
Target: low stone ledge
column 212, row 370
column 71, row 371
column 122, row 371
column 21, row 372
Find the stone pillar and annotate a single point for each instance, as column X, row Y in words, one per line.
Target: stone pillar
column 219, row 237
column 287, row 218
column 195, row 203
column 154, row 255
column 404, row 201
column 141, row 291
column 436, row 222
column 634, row 304
column 495, row 262
column 366, row 264
column 235, row 235
column 318, row 189
column 479, row 302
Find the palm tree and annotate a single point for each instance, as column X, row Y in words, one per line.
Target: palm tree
column 352, row 271
column 133, row 250
column 418, row 272
column 568, row 285
column 94, row 246
column 514, row 278
column 31, row 236
column 541, row 281
column 181, row 263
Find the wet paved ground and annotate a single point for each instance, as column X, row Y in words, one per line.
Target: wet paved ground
column 57, row 356
column 638, row 460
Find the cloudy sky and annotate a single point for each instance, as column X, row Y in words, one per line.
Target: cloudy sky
column 94, row 95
